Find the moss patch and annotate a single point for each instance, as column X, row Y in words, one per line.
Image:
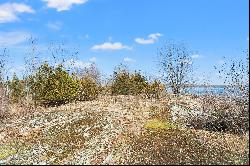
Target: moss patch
column 6, row 151
column 159, row 124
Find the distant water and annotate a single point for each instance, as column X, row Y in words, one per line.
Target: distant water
column 203, row 90
column 216, row 90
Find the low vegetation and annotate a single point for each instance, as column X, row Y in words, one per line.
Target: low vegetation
column 76, row 117
column 51, row 86
column 158, row 124
column 125, row 83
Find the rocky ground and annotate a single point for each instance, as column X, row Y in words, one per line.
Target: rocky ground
column 115, row 130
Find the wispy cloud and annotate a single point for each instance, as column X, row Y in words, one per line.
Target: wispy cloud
column 127, row 59
column 13, row 38
column 9, row 11
column 84, row 37
column 152, row 38
column 196, row 56
column 55, row 25
column 110, row 46
column 93, row 59
column 62, row 5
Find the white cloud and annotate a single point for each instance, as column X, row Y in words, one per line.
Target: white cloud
column 196, row 56
column 152, row 38
column 155, row 36
column 13, row 38
column 62, row 5
column 9, row 11
column 93, row 59
column 56, row 25
column 110, row 46
column 144, row 41
column 126, row 59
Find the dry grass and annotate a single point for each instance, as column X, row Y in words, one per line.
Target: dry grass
column 113, row 130
column 179, row 147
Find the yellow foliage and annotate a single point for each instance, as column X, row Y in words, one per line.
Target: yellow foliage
column 158, row 124
column 6, row 151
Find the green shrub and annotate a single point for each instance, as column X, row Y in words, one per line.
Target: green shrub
column 52, row 86
column 89, row 89
column 125, row 83
column 62, row 87
column 55, row 86
column 121, row 83
column 16, row 88
column 137, row 83
column 154, row 90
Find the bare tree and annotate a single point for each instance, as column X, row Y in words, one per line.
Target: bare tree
column 3, row 89
column 31, row 58
column 236, row 76
column 176, row 64
column 232, row 108
column 91, row 72
column 3, row 56
column 61, row 53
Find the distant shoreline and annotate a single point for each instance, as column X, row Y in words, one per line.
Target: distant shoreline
column 204, row 86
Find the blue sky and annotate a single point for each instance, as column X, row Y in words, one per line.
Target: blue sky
column 111, row 32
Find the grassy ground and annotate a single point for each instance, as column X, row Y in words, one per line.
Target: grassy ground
column 121, row 130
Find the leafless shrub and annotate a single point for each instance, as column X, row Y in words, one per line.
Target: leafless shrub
column 236, row 76
column 222, row 115
column 3, row 102
column 176, row 64
column 60, row 52
column 3, row 88
column 32, row 63
column 90, row 72
column 228, row 112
